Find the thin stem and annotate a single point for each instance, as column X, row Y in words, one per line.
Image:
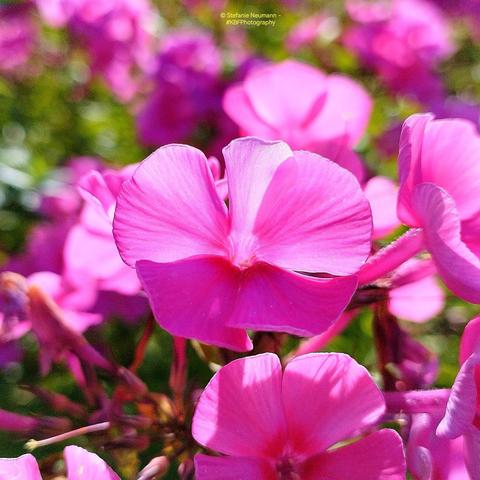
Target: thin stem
column 142, row 345
column 97, row 427
column 392, row 256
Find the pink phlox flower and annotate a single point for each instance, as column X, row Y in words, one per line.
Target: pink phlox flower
column 274, row 425
column 210, row 272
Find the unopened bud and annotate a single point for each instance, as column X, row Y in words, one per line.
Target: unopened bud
column 156, row 469
column 186, row 469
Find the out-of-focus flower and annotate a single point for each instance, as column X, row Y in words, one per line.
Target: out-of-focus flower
column 415, row 294
column 382, row 193
column 75, row 302
column 439, row 204
column 187, row 89
column 461, row 418
column 210, row 274
column 31, row 426
column 402, row 41
column 431, row 457
column 18, row 36
column 90, row 250
column 80, row 464
column 115, row 34
column 321, row 27
column 297, row 103
column 467, row 10
column 274, row 425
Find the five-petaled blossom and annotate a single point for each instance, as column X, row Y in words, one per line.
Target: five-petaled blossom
column 81, row 464
column 274, row 425
column 210, row 272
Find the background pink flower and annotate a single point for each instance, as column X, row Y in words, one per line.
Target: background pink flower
column 299, row 104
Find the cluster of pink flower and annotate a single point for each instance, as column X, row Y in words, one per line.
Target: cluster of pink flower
column 289, row 233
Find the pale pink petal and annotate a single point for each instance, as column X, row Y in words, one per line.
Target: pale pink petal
column 240, row 411
column 95, row 219
column 450, row 160
column 417, row 301
column 334, row 390
column 346, row 110
column 95, row 190
column 470, row 342
column 233, row 468
column 194, row 298
column 409, row 163
column 378, row 456
column 286, row 95
column 24, row 467
column 273, row 299
column 382, row 193
column 83, row 465
column 239, row 108
column 81, row 321
column 251, row 164
column 442, row 152
column 91, row 254
column 456, row 264
column 472, row 454
column 430, row 457
column 170, row 209
column 314, row 218
column 462, row 404
column 342, row 154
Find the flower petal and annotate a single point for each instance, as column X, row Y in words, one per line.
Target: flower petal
column 472, row 454
column 240, row 412
column 170, row 209
column 409, row 164
column 382, row 193
column 378, row 456
column 232, row 468
column 273, row 299
column 193, row 298
column 336, row 391
column 470, row 341
column 84, row 465
column 346, row 110
column 458, row 266
column 417, row 301
column 239, row 108
column 251, row 164
column 24, row 467
column 462, row 404
column 314, row 218
column 426, row 149
column 269, row 90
